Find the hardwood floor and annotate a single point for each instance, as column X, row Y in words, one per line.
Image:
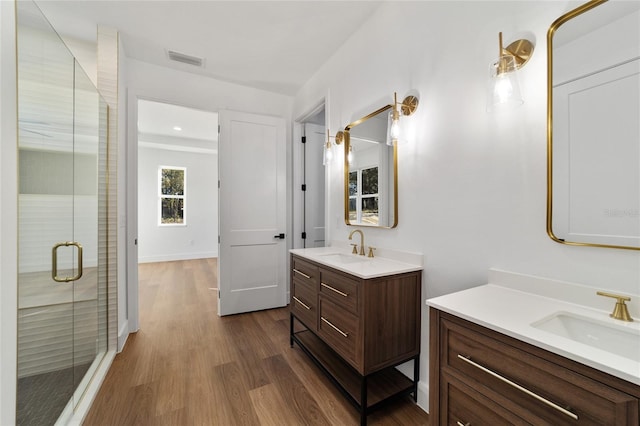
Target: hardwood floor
column 187, row 366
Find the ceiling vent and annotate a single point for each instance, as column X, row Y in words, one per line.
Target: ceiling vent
column 185, row 59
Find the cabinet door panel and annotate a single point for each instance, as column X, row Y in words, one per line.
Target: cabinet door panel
column 341, row 330
column 342, row 290
column 305, row 272
column 474, row 354
column 462, row 405
column 304, row 304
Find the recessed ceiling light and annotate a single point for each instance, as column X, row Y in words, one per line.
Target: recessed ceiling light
column 177, row 128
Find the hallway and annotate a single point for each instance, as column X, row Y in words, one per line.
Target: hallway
column 187, row 366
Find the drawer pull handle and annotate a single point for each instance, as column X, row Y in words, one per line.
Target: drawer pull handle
column 334, row 327
column 302, row 303
column 302, row 273
column 334, row 289
column 463, row 424
column 517, row 386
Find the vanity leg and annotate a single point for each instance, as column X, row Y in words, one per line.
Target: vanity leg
column 416, row 377
column 363, row 401
column 291, row 330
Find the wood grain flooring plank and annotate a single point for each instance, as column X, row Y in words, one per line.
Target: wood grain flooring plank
column 171, row 390
column 301, row 403
column 139, row 408
column 273, row 327
column 172, row 418
column 237, row 396
column 271, row 407
column 399, row 413
column 332, row 403
column 250, row 346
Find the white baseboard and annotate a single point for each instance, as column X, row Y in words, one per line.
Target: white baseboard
column 123, row 334
column 423, row 386
column 176, row 256
column 423, row 395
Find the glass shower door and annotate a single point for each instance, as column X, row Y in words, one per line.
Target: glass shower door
column 89, row 291
column 61, row 333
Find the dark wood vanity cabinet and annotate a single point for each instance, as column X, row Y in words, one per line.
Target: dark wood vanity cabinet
column 481, row 377
column 358, row 330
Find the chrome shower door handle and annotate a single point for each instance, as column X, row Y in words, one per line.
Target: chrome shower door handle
column 54, row 262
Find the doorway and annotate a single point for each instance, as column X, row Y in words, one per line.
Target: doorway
column 177, row 183
column 309, row 173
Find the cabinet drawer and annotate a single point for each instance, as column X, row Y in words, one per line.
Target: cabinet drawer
column 340, row 289
column 304, row 305
column 535, row 389
column 465, row 406
column 305, row 273
column 339, row 328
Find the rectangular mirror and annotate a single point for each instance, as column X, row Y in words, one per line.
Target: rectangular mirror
column 594, row 126
column 371, row 172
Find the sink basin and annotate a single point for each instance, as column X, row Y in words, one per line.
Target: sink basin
column 342, row 258
column 622, row 340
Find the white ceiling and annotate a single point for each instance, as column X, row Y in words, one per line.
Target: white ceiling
column 156, row 119
column 271, row 45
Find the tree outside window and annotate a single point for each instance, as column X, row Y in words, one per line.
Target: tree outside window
column 172, row 183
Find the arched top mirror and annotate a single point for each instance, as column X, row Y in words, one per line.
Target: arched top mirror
column 593, row 126
column 370, row 172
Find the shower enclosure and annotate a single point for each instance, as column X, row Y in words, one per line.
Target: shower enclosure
column 62, row 297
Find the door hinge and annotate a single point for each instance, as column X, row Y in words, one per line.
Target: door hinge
column 304, row 186
column 218, row 239
column 304, row 139
column 218, row 184
column 304, row 235
column 218, row 129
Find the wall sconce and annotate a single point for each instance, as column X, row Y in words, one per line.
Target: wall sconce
column 504, row 86
column 327, row 155
column 406, row 108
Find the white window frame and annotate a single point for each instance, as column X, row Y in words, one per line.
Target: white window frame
column 162, row 196
column 359, row 196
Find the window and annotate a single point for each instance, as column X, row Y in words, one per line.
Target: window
column 171, row 197
column 363, row 196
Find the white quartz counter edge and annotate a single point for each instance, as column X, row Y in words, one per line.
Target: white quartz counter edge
column 364, row 268
column 512, row 312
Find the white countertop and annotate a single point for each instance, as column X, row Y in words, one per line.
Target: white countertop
column 382, row 265
column 513, row 311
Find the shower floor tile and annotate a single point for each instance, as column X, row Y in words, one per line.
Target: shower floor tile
column 43, row 397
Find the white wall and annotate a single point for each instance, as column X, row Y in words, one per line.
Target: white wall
column 199, row 237
column 8, row 215
column 472, row 185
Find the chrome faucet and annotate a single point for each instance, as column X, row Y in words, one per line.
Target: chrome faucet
column 361, row 241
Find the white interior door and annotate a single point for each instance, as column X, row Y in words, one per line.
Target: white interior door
column 252, row 200
column 314, row 180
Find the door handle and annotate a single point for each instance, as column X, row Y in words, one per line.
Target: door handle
column 54, row 262
column 280, row 236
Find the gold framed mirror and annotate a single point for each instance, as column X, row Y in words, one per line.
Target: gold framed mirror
column 371, row 172
column 593, row 126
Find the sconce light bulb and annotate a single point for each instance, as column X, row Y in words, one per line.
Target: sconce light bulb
column 503, row 89
column 394, row 132
column 350, row 155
